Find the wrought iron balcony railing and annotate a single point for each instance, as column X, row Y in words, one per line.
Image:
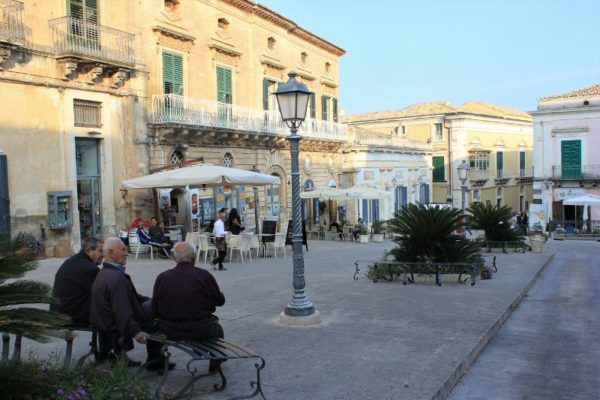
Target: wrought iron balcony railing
column 12, row 29
column 177, row 109
column 576, row 172
column 390, row 142
column 79, row 38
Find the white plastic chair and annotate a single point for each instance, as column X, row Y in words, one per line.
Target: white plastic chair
column 279, row 243
column 239, row 243
column 205, row 247
column 255, row 244
column 137, row 247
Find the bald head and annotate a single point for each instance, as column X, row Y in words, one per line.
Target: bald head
column 184, row 252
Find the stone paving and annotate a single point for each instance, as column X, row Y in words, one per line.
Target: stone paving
column 376, row 341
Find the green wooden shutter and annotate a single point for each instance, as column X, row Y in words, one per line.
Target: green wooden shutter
column 439, row 173
column 324, row 108
column 266, row 85
column 334, row 107
column 499, row 164
column 172, row 73
column 571, row 159
column 313, row 105
column 224, row 86
column 522, row 163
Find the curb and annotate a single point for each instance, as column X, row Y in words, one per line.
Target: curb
column 455, row 377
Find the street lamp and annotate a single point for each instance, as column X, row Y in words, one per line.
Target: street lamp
column 292, row 99
column 463, row 175
column 256, row 231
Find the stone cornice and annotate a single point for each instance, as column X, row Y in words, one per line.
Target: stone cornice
column 223, row 47
column 292, row 27
column 271, row 62
column 174, row 34
column 325, row 80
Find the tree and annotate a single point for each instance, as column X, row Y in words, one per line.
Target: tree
column 17, row 313
column 494, row 221
column 428, row 234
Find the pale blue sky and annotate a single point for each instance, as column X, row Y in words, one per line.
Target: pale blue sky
column 509, row 52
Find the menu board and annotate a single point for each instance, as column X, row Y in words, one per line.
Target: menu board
column 290, row 234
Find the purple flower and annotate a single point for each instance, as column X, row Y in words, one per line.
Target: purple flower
column 60, row 392
column 81, row 391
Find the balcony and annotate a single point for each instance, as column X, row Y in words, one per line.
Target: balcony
column 193, row 116
column 389, row 141
column 12, row 30
column 79, row 41
column 576, row 173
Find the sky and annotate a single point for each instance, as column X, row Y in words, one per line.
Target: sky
column 401, row 52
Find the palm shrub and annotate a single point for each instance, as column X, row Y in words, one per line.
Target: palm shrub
column 494, row 221
column 428, row 234
column 17, row 297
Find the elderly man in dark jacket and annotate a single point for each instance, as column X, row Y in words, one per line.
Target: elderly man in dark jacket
column 74, row 279
column 117, row 309
column 185, row 298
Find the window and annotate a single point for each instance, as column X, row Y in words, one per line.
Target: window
column 499, row 164
column 439, row 135
column 303, row 57
column 172, row 73
column 84, row 22
column 224, row 86
column 479, row 160
column 334, row 106
column 313, row 105
column 439, row 174
column 228, row 160
column 269, row 102
column 177, row 157
column 325, row 108
column 521, row 163
column 400, row 198
column 222, row 23
column 570, row 156
column 327, row 68
column 424, row 193
column 272, row 199
column 271, row 42
column 87, row 113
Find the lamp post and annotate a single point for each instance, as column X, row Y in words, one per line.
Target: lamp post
column 463, row 175
column 256, row 230
column 292, row 99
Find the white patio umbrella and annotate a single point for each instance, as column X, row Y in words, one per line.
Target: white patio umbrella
column 585, row 201
column 325, row 194
column 200, row 175
column 356, row 192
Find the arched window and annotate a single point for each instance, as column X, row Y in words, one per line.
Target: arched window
column 177, row 157
column 228, row 160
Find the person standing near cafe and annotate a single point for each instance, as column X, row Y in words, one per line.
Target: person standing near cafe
column 219, row 233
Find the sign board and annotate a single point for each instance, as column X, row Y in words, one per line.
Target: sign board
column 290, row 234
column 567, row 193
column 269, row 228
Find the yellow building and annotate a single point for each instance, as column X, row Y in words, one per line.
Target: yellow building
column 96, row 92
column 496, row 141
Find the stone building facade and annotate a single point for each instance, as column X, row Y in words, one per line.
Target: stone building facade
column 496, row 141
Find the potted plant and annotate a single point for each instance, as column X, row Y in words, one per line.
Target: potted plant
column 364, row 233
column 377, row 229
column 537, row 240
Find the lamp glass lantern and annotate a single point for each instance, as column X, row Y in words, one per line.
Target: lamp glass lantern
column 463, row 171
column 292, row 99
column 463, row 175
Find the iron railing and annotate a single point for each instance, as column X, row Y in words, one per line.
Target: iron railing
column 177, row 109
column 12, row 29
column 390, row 142
column 576, row 172
column 77, row 37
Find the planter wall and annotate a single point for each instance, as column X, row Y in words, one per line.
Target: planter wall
column 377, row 237
column 537, row 244
column 364, row 238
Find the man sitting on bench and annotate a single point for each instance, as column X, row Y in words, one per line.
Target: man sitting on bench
column 185, row 298
column 118, row 311
column 74, row 279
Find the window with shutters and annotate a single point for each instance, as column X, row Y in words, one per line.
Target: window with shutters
column 269, row 101
column 570, row 156
column 334, row 109
column 439, row 134
column 325, row 108
column 224, row 85
column 400, row 198
column 172, row 73
column 522, row 163
column 439, row 173
column 313, row 105
column 87, row 113
column 499, row 164
column 84, row 22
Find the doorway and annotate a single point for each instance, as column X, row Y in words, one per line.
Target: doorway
column 89, row 188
